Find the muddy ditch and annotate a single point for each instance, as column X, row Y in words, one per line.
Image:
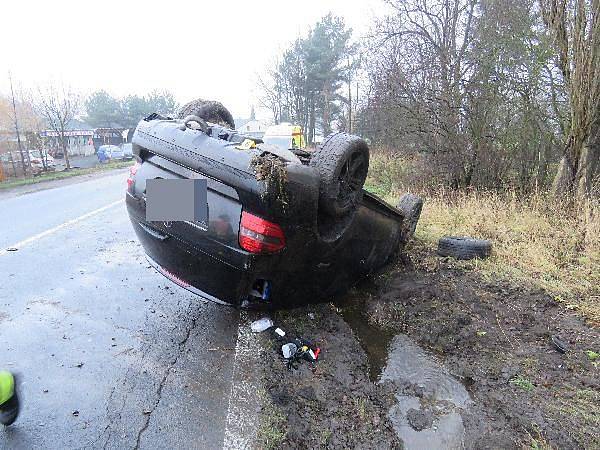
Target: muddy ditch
column 434, row 358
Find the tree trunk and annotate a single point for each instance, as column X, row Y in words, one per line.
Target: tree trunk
column 586, row 170
column 63, row 143
column 563, row 180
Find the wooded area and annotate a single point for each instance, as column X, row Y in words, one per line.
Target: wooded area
column 490, row 94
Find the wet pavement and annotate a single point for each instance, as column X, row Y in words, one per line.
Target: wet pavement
column 111, row 354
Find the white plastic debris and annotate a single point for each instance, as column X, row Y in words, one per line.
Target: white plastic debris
column 261, row 325
column 289, row 350
column 280, row 332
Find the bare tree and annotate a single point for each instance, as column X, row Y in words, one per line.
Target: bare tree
column 574, row 26
column 25, row 161
column 58, row 105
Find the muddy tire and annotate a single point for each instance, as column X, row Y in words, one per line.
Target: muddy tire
column 342, row 162
column 411, row 206
column 208, row 110
column 464, row 247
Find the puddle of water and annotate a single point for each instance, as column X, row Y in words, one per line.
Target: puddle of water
column 410, row 363
column 374, row 341
column 442, row 398
column 400, row 359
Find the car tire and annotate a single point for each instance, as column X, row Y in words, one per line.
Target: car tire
column 411, row 206
column 342, row 161
column 209, row 110
column 464, row 247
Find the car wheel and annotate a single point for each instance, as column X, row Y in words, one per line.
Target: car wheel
column 464, row 247
column 410, row 205
column 208, row 110
column 342, row 162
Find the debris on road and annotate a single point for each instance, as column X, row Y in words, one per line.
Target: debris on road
column 559, row 344
column 261, row 325
column 329, row 405
column 279, row 332
column 298, row 350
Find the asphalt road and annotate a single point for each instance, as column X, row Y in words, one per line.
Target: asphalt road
column 111, row 354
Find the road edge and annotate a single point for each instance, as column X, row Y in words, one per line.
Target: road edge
column 18, row 191
column 242, row 422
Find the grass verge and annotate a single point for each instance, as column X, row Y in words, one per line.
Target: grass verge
column 536, row 240
column 50, row 176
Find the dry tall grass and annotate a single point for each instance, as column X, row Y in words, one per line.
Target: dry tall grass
column 536, row 240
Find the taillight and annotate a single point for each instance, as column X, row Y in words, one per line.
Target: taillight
column 258, row 235
column 132, row 171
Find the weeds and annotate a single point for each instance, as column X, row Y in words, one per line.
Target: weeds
column 537, row 240
column 522, row 383
column 273, row 425
column 361, row 407
column 592, row 355
column 271, row 170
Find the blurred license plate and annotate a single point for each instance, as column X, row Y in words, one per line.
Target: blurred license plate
column 176, row 200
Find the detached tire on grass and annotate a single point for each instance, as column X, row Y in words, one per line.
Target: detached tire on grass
column 209, row 110
column 464, row 247
column 342, row 162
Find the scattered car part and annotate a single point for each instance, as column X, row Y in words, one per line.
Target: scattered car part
column 411, row 206
column 261, row 325
column 289, row 350
column 298, row 350
column 559, row 344
column 464, row 247
column 268, row 218
column 279, row 332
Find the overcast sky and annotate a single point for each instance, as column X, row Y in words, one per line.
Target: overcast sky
column 194, row 49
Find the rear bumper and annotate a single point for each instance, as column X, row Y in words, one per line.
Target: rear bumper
column 182, row 283
column 210, row 269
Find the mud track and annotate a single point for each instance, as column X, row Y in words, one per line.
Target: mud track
column 492, row 337
column 497, row 339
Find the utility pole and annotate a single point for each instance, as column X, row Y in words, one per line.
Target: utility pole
column 16, row 122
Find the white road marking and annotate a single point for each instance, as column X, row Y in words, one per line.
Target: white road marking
column 244, row 398
column 38, row 236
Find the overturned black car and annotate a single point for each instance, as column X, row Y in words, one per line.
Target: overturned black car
column 285, row 226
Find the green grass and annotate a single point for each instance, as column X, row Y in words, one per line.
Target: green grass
column 522, row 383
column 50, row 176
column 273, row 425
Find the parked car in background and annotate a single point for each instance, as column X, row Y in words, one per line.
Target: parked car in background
column 127, row 150
column 56, row 153
column 108, row 152
column 37, row 164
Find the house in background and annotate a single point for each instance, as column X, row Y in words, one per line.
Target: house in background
column 253, row 128
column 79, row 139
column 115, row 134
